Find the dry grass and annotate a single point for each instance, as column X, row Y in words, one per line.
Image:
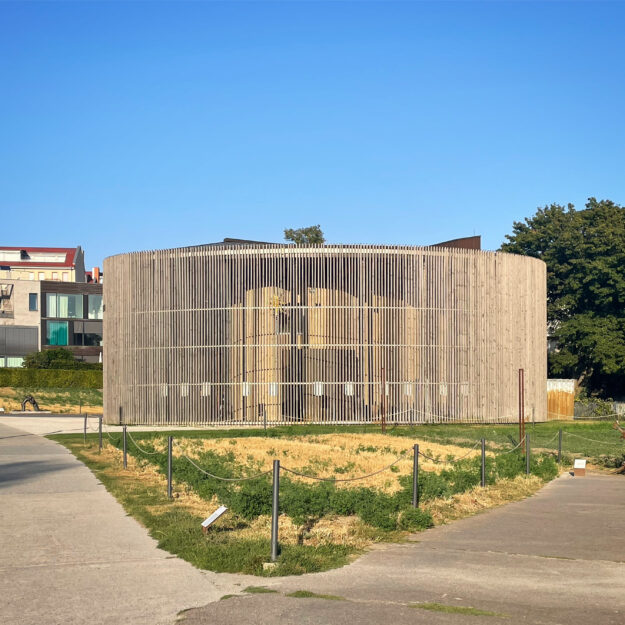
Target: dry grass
column 330, row 455
column 479, row 499
column 350, row 531
column 56, row 401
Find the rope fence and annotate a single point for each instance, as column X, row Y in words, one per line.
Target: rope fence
column 404, row 455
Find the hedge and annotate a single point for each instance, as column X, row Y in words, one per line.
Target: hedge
column 50, row 378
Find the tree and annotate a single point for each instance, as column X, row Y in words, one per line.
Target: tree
column 313, row 235
column 585, row 256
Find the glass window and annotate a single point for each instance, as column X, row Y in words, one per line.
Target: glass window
column 55, row 275
column 65, row 276
column 14, row 362
column 64, row 306
column 42, row 276
column 87, row 333
column 56, row 333
column 51, row 305
column 31, row 276
column 95, row 307
column 32, row 301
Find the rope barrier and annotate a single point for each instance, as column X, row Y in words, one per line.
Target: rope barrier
column 452, row 461
column 346, row 479
column 592, row 439
column 509, row 451
column 143, row 451
column 226, row 479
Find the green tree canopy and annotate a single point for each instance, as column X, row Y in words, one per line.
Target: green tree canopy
column 313, row 235
column 585, row 256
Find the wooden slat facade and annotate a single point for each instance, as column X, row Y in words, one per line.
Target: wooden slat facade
column 236, row 333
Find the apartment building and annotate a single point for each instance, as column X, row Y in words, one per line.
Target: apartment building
column 42, row 263
column 47, row 300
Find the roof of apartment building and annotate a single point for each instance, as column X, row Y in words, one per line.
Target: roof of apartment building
column 39, row 256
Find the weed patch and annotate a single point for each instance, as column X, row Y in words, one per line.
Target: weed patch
column 307, row 594
column 454, row 609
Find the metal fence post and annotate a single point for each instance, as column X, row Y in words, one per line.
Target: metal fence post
column 415, row 477
column 274, row 510
column 527, row 454
column 483, row 480
column 125, row 455
column 84, row 430
column 170, row 444
column 560, row 446
column 120, row 416
column 100, row 431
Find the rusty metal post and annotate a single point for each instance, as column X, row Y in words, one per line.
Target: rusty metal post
column 522, row 407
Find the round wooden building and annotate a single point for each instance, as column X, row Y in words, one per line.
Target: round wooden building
column 248, row 332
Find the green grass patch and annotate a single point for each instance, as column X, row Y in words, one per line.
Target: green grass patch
column 454, row 609
column 227, row 597
column 259, row 590
column 307, row 594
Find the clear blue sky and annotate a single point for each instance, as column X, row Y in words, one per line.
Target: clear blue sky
column 140, row 125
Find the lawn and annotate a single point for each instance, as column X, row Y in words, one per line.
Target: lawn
column 56, row 400
column 324, row 523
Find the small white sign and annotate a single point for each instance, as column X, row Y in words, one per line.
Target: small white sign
column 213, row 517
column 579, row 464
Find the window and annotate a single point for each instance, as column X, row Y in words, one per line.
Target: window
column 31, row 276
column 88, row 333
column 65, row 276
column 94, row 307
column 56, row 333
column 64, row 306
column 42, row 276
column 32, row 301
column 55, row 275
column 10, row 361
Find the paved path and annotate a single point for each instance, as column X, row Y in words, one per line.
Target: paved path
column 556, row 558
column 69, row 554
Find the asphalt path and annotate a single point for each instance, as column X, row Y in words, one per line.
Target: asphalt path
column 555, row 558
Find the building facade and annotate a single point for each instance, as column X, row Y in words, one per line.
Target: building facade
column 243, row 333
column 42, row 263
column 48, row 300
